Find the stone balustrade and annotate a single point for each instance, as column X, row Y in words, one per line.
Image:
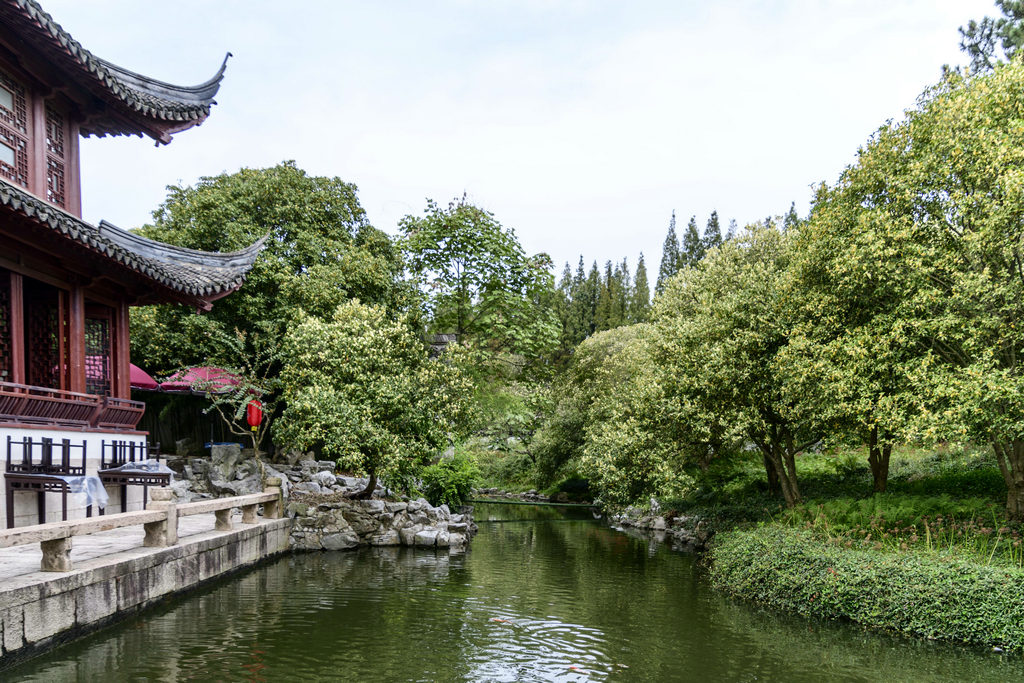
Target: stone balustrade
column 159, row 519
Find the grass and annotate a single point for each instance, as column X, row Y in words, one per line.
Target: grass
column 947, row 500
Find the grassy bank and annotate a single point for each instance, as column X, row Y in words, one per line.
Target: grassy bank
column 933, row 556
column 936, row 595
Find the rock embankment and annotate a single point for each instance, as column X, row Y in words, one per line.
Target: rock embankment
column 531, row 496
column 320, row 501
column 690, row 533
column 335, row 522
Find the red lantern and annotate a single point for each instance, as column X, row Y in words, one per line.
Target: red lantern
column 254, row 414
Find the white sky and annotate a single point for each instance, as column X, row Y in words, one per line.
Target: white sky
column 580, row 124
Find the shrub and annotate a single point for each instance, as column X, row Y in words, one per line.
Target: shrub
column 934, row 595
column 450, row 481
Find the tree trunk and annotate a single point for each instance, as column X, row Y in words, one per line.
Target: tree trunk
column 773, row 477
column 368, row 491
column 878, row 458
column 1011, row 464
column 785, row 479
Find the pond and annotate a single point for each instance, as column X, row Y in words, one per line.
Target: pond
column 545, row 594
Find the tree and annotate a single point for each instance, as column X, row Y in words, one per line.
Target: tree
column 718, row 332
column 361, row 388
column 478, row 281
column 712, row 237
column 979, row 39
column 640, row 299
column 942, row 191
column 850, row 363
column 692, row 250
column 669, row 257
column 321, row 251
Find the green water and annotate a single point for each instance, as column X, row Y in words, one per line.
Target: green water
column 544, row 595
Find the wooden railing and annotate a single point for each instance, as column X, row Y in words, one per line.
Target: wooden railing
column 159, row 519
column 40, row 405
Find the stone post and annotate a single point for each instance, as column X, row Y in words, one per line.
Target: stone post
column 223, row 519
column 56, row 555
column 249, row 514
column 272, row 509
column 163, row 533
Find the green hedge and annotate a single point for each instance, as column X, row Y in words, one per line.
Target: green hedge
column 923, row 594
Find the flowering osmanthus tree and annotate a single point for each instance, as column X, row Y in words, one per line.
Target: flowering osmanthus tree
column 718, row 331
column 849, row 362
column 361, row 387
column 944, row 193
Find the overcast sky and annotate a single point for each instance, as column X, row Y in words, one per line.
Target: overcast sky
column 581, row 125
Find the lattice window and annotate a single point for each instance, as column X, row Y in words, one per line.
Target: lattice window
column 15, row 116
column 13, row 131
column 43, row 336
column 15, row 166
column 55, row 181
column 97, row 356
column 54, row 132
column 55, row 157
column 5, row 325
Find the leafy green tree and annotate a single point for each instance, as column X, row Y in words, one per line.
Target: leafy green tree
column 361, row 388
column 718, row 332
column 850, row 362
column 321, row 250
column 669, row 257
column 981, row 39
column 943, row 191
column 478, row 281
column 627, row 452
column 692, row 250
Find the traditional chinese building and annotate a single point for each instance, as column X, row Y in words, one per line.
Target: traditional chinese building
column 66, row 285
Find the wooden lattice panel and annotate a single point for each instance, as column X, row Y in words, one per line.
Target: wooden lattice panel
column 43, row 336
column 5, row 325
column 17, row 117
column 55, row 181
column 54, row 132
column 97, row 356
column 18, row 171
column 55, row 157
column 14, row 131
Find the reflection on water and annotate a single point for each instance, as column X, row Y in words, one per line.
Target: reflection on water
column 544, row 595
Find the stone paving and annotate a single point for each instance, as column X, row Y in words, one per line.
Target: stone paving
column 19, row 562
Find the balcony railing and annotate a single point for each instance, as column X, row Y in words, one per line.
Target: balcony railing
column 23, row 404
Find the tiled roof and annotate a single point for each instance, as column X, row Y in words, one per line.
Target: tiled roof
column 198, row 274
column 176, row 106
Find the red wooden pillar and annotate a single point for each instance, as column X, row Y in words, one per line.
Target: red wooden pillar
column 17, row 329
column 76, row 339
column 72, row 174
column 37, row 145
column 122, row 387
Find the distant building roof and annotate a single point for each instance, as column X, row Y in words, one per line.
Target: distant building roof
column 195, row 277
column 138, row 104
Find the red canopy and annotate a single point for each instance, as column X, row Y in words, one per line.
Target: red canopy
column 204, row 379
column 141, row 379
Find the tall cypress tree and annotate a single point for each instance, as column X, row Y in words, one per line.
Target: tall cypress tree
column 640, row 297
column 591, row 293
column 603, row 315
column 669, row 256
column 731, row 232
column 712, row 233
column 791, row 219
column 621, row 294
column 692, row 249
column 564, row 307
